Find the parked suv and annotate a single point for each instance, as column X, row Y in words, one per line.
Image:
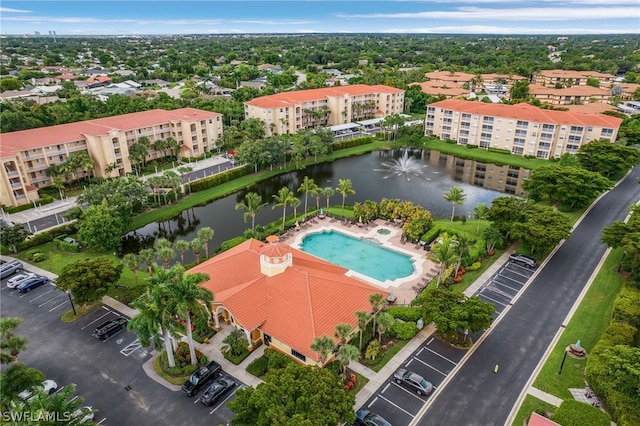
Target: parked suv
column 109, row 328
column 201, row 378
column 10, row 268
column 521, row 259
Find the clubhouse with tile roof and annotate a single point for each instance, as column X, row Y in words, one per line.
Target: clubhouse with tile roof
column 520, row 129
column 27, row 154
column 290, row 112
column 283, row 297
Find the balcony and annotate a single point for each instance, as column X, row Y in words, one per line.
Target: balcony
column 16, row 185
column 12, row 173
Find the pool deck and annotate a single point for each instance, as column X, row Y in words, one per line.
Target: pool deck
column 403, row 289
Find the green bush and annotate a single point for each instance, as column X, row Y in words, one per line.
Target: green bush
column 627, row 306
column 349, row 143
column 405, row 313
column 65, row 246
column 276, row 359
column 474, row 266
column 36, row 256
column 403, row 330
column 231, row 243
column 44, row 199
column 431, row 235
column 334, row 367
column 220, row 178
column 499, row 150
column 47, row 236
column 373, row 350
column 258, row 367
column 576, row 413
column 471, row 146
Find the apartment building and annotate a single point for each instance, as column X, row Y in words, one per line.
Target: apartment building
column 568, row 78
column 25, row 155
column 520, row 129
column 289, row 112
column 569, row 95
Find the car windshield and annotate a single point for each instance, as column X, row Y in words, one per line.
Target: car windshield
column 424, row 384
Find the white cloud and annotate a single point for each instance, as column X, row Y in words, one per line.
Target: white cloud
column 485, row 29
column 10, row 10
column 271, row 22
column 523, row 14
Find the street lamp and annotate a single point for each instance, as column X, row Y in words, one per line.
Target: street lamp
column 72, row 305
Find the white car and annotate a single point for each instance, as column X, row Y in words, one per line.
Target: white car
column 16, row 280
column 49, row 386
column 82, row 415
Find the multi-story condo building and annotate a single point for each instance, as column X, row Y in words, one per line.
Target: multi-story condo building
column 566, row 78
column 26, row 155
column 521, row 129
column 570, row 95
column 290, row 112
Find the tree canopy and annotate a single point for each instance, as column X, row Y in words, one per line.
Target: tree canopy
column 609, row 159
column 88, row 279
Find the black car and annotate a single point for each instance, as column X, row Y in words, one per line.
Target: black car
column 201, row 378
column 521, row 259
column 109, row 328
column 365, row 417
column 216, row 389
column 32, row 283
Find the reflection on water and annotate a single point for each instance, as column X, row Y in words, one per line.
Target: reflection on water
column 480, row 182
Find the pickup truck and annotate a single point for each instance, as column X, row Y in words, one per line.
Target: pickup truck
column 201, row 378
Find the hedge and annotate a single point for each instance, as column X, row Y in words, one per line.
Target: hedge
column 44, row 199
column 258, row 367
column 431, row 234
column 403, row 330
column 220, row 178
column 405, row 313
column 576, row 413
column 276, row 359
column 47, row 236
column 65, row 246
column 349, row 143
column 627, row 306
column 231, row 243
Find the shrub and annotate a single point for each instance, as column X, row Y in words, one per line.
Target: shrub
column 576, row 413
column 403, row 330
column 431, row 235
column 474, row 266
column 36, row 256
column 259, row 366
column 471, row 146
column 334, row 367
column 44, row 199
column 179, row 370
column 183, row 355
column 348, row 143
column 405, row 313
column 373, row 350
column 47, row 236
column 220, row 178
column 65, row 246
column 627, row 306
column 231, row 243
column 276, row 359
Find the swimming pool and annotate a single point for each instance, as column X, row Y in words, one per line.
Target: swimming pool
column 365, row 257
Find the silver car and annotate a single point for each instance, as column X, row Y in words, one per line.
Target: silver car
column 414, row 381
column 16, row 280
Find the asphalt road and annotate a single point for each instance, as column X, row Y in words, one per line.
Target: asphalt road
column 477, row 396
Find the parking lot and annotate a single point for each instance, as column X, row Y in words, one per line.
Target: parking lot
column 504, row 285
column 108, row 373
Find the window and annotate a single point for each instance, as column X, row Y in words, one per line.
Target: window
column 298, row 355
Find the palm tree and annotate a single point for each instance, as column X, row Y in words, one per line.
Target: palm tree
column 251, row 205
column 344, row 188
column 16, row 378
column 295, row 202
column 60, row 405
column 445, row 253
column 236, row 342
column 110, row 167
column 480, row 213
column 196, row 245
column 323, row 346
column 317, row 192
column 58, row 183
column 464, row 244
column 131, row 261
column 307, row 186
column 283, row 199
column 182, row 246
column 385, row 322
column 205, row 234
column 363, row 319
column 377, row 302
column 10, row 344
column 147, row 255
column 164, row 251
column 190, row 299
column 155, row 313
column 455, row 196
column 173, row 179
column 346, row 354
column 492, row 236
column 342, row 333
column 328, row 192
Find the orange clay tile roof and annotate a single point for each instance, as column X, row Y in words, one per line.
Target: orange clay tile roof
column 528, row 112
column 537, row 89
column 590, row 108
column 573, row 74
column 440, row 88
column 305, row 301
column 13, row 142
column 493, row 77
column 448, row 76
column 286, row 99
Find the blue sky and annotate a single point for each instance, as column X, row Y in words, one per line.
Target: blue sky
column 117, row 17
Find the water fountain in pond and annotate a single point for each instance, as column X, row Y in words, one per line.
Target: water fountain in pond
column 404, row 166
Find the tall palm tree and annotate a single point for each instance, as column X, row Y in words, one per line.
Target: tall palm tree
column 464, row 244
column 58, row 183
column 295, row 202
column 385, row 322
column 342, row 333
column 110, row 167
column 196, row 245
column 131, row 261
column 10, row 344
column 16, row 378
column 283, row 199
column 323, row 346
column 147, row 255
column 155, row 313
column 344, row 188
column 445, row 253
column 480, row 213
column 363, row 319
column 317, row 192
column 251, row 205
column 328, row 193
column 182, row 246
column 164, row 251
column 307, row 186
column 172, row 179
column 377, row 302
column 455, row 196
column 205, row 234
column 190, row 298
column 346, row 354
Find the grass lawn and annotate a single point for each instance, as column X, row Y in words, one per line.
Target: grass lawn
column 529, row 405
column 362, row 382
column 587, row 325
column 173, row 380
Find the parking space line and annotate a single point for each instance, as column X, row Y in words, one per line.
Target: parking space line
column 131, row 348
column 430, row 340
column 418, row 397
column 102, row 421
column 56, row 307
column 372, row 402
column 398, row 407
column 386, row 387
column 507, row 277
column 431, row 367
column 97, row 319
column 502, row 293
column 520, row 272
column 492, row 300
column 37, row 297
column 443, row 357
column 496, row 282
column 51, row 300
